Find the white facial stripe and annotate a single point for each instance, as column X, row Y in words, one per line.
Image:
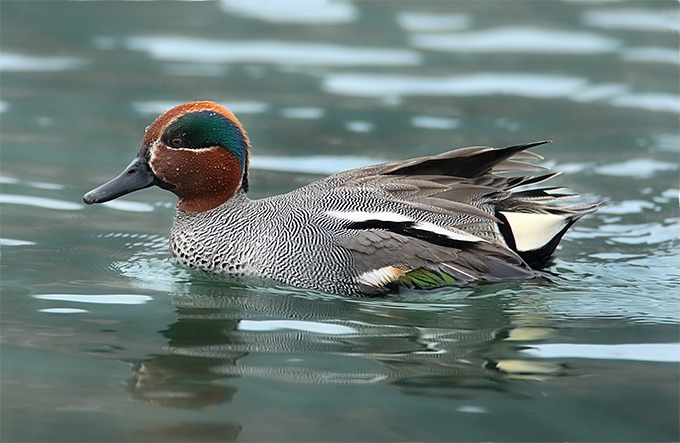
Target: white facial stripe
column 360, row 216
column 208, row 148
column 154, row 151
column 158, row 143
column 533, row 231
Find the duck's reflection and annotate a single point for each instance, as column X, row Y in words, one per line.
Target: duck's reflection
column 224, row 332
column 192, row 432
column 174, row 380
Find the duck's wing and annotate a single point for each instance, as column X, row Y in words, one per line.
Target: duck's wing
column 467, row 162
column 451, row 218
column 390, row 258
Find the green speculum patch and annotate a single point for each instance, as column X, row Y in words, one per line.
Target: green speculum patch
column 425, row 279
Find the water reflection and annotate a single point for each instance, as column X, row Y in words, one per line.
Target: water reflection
column 199, row 431
column 538, row 86
column 311, row 12
column 636, row 19
column 419, row 21
column 269, row 363
column 202, row 50
column 22, row 62
column 222, row 332
column 182, row 382
column 518, row 40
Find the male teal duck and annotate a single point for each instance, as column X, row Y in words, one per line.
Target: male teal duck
column 423, row 223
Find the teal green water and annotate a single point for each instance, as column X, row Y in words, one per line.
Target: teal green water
column 103, row 339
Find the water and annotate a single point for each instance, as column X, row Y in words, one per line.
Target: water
column 104, row 340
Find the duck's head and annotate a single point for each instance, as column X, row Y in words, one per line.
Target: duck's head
column 199, row 151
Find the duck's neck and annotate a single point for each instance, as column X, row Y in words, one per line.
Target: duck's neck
column 204, row 204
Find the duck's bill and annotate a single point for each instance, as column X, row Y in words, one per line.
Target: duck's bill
column 136, row 176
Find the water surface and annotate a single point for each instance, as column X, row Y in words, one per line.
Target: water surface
column 104, row 339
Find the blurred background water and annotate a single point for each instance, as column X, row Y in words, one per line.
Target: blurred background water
column 103, row 339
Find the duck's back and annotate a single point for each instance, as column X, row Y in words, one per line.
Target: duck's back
column 420, row 223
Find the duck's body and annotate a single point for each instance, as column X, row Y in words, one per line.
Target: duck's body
column 420, row 223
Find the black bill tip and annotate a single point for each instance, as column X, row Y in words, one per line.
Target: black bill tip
column 136, row 176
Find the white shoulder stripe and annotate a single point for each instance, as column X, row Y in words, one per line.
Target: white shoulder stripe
column 361, row 216
column 533, row 231
column 393, row 217
column 452, row 233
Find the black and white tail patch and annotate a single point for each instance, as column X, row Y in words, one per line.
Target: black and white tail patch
column 534, row 236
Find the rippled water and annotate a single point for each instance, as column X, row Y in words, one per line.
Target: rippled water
column 103, row 339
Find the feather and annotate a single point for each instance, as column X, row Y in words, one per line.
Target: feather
column 450, row 218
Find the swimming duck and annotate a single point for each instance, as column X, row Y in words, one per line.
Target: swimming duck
column 427, row 222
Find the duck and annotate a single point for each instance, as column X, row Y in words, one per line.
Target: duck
column 466, row 216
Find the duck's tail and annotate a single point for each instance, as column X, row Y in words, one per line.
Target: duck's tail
column 535, row 235
column 529, row 222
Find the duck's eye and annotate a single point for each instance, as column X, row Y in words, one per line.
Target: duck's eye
column 176, row 142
